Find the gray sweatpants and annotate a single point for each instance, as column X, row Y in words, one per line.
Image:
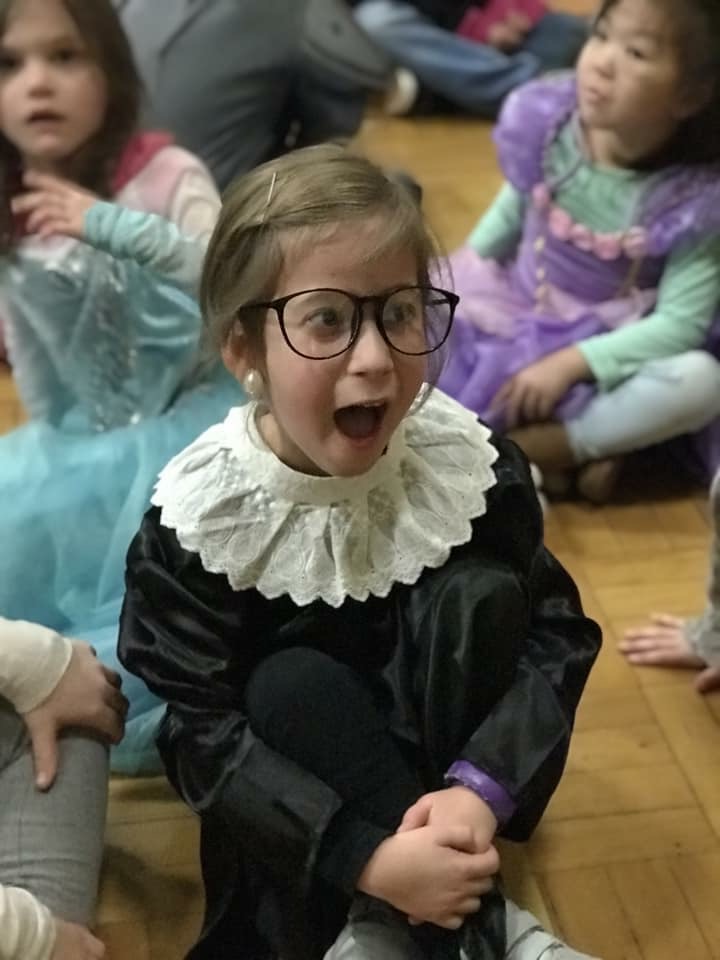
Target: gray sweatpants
column 51, row 843
column 703, row 632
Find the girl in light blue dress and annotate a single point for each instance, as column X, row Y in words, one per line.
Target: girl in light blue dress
column 101, row 327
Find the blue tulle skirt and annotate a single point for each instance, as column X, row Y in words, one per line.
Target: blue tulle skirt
column 70, row 503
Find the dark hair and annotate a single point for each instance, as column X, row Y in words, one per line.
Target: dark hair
column 697, row 40
column 94, row 163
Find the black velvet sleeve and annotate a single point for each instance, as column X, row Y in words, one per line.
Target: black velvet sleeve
column 524, row 740
column 194, row 643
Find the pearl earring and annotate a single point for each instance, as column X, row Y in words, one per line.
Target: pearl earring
column 254, row 384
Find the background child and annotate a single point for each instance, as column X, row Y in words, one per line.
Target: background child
column 669, row 641
column 370, row 661
column 51, row 838
column 473, row 54
column 283, row 73
column 589, row 288
column 104, row 348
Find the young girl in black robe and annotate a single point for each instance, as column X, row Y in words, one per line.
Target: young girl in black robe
column 370, row 660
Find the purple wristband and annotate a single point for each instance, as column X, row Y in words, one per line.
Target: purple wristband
column 495, row 796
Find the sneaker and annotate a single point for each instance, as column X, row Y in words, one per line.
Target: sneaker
column 374, row 931
column 402, row 93
column 537, row 478
column 527, row 939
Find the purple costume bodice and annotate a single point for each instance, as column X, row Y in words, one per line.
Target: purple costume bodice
column 565, row 283
column 580, row 273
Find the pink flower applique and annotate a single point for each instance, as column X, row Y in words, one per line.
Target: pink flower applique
column 582, row 237
column 560, row 223
column 635, row 243
column 608, row 246
column 541, row 196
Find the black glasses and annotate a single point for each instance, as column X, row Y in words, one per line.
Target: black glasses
column 320, row 324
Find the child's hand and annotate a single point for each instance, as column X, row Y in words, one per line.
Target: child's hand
column 503, row 37
column 532, row 394
column 73, row 942
column 510, row 33
column 431, row 874
column 87, row 695
column 53, row 206
column 663, row 643
column 454, row 806
column 520, row 22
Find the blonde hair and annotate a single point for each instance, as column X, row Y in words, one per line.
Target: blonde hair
column 300, row 199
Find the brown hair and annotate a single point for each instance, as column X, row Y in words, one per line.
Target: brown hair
column 93, row 166
column 696, row 25
column 291, row 202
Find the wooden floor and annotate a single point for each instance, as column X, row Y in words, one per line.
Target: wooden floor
column 626, row 863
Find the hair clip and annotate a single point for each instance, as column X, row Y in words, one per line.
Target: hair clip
column 269, row 196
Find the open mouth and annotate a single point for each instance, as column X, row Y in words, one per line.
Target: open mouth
column 360, row 421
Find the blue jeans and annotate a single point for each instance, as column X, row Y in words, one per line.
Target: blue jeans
column 471, row 75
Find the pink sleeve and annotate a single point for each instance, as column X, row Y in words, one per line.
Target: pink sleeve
column 176, row 185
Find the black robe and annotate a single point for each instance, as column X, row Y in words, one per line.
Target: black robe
column 484, row 659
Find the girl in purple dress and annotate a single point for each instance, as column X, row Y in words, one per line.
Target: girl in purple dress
column 589, row 288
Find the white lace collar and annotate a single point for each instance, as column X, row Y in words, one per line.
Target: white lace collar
column 229, row 499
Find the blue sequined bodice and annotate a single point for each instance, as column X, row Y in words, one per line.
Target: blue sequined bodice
column 95, row 342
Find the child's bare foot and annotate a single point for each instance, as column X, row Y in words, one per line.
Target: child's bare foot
column 597, row 480
column 660, row 643
column 558, row 484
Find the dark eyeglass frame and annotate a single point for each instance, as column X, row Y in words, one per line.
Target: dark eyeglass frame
column 378, row 302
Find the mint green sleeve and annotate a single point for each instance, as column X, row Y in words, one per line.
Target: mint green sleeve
column 497, row 234
column 150, row 241
column 688, row 298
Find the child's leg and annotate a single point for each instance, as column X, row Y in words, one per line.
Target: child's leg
column 665, row 399
column 320, row 714
column 471, row 75
column 52, row 842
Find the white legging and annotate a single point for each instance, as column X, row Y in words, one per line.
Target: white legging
column 51, row 843
column 665, row 399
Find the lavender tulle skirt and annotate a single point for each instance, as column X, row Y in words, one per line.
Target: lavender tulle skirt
column 500, row 329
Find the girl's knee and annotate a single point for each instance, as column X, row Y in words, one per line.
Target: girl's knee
column 698, row 376
column 295, row 679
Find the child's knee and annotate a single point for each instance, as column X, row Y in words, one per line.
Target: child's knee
column 288, row 684
column 698, row 373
